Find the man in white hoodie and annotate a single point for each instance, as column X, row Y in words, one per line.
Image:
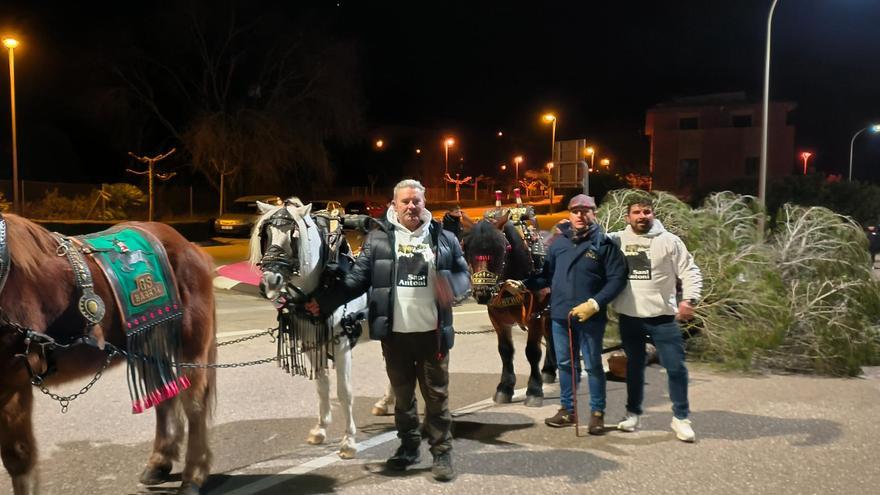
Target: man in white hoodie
column 648, row 307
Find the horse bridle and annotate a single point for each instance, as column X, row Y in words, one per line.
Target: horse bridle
column 484, row 280
column 274, row 258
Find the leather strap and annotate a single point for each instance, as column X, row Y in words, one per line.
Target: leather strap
column 90, row 304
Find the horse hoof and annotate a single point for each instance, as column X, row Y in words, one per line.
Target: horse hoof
column 347, row 452
column 188, row 488
column 379, row 411
column 316, row 436
column 534, row 401
column 155, row 475
column 502, row 398
column 548, row 378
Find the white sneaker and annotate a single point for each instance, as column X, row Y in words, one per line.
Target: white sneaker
column 683, row 430
column 629, row 422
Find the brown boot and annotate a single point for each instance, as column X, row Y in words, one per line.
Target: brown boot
column 561, row 419
column 597, row 423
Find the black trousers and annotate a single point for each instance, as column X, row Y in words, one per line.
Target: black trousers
column 411, row 358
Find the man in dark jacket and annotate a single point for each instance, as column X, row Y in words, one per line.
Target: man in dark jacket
column 585, row 271
column 414, row 271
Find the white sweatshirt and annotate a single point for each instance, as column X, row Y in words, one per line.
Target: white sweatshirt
column 415, row 301
column 655, row 262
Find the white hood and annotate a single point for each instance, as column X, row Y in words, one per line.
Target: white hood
column 415, row 305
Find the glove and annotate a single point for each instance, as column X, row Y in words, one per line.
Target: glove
column 514, row 287
column 584, row 310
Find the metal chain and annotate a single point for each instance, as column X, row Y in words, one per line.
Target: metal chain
column 269, row 331
column 64, row 401
column 473, row 332
column 230, row 365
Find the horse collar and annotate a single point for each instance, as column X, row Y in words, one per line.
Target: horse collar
column 90, row 304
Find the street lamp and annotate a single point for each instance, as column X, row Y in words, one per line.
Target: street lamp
column 550, row 183
column 446, row 144
column 875, row 128
column 762, row 180
column 11, row 44
column 592, row 152
column 380, row 143
column 549, row 117
column 805, row 156
column 605, row 163
column 517, row 160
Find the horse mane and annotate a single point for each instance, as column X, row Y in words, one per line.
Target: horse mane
column 519, row 258
column 29, row 244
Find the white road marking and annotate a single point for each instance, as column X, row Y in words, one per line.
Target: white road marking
column 329, row 459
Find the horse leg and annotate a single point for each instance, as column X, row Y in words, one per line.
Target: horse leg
column 318, row 433
column 197, row 404
column 548, row 372
column 385, row 405
column 534, row 391
column 18, row 447
column 348, row 445
column 504, row 391
column 166, row 444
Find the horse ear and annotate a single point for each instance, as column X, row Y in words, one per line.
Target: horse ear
column 502, row 219
column 304, row 210
column 264, row 207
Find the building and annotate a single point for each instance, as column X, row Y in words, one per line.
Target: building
column 714, row 141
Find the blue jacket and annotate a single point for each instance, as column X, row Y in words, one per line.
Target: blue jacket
column 594, row 268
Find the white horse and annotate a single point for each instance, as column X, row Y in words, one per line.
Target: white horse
column 288, row 247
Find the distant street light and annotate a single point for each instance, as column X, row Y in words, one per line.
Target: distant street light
column 11, row 44
column 762, row 176
column 550, row 183
column 500, row 133
column 517, row 160
column 875, row 128
column 503, row 167
column 549, row 117
column 592, row 152
column 605, row 163
column 380, row 143
column 446, row 144
column 418, row 151
column 805, row 156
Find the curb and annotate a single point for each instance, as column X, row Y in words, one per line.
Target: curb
column 226, row 283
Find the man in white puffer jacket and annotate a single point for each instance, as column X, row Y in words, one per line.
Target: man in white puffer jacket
column 656, row 261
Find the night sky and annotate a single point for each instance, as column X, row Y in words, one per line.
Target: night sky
column 471, row 69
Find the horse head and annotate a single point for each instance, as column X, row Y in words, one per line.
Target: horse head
column 495, row 251
column 286, row 246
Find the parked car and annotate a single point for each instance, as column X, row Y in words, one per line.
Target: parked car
column 362, row 207
column 239, row 219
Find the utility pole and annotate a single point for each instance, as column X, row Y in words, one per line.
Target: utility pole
column 150, row 173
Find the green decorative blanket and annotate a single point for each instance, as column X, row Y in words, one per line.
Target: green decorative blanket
column 136, row 265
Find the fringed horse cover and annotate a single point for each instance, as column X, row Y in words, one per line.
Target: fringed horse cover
column 136, row 265
column 302, row 335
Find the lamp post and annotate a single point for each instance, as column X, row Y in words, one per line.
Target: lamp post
column 805, row 156
column 550, row 183
column 592, row 152
column 516, row 161
column 549, row 117
column 875, row 128
column 11, row 44
column 762, row 176
column 446, row 144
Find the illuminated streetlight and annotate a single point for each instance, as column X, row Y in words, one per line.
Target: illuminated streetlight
column 517, row 160
column 500, row 134
column 875, row 128
column 805, row 156
column 592, row 152
column 380, row 143
column 503, row 167
column 549, row 117
column 550, row 183
column 446, row 144
column 418, row 151
column 605, row 162
column 11, row 44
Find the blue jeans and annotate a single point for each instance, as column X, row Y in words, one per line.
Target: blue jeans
column 666, row 334
column 588, row 343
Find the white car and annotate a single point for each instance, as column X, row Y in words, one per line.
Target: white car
column 239, row 219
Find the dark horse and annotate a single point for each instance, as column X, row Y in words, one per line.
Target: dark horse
column 496, row 252
column 41, row 295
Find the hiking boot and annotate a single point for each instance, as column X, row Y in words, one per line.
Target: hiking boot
column 596, row 425
column 442, row 468
column 629, row 422
column 563, row 418
column 402, row 458
column 683, row 430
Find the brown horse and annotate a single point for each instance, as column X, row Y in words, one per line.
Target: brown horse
column 496, row 252
column 41, row 295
